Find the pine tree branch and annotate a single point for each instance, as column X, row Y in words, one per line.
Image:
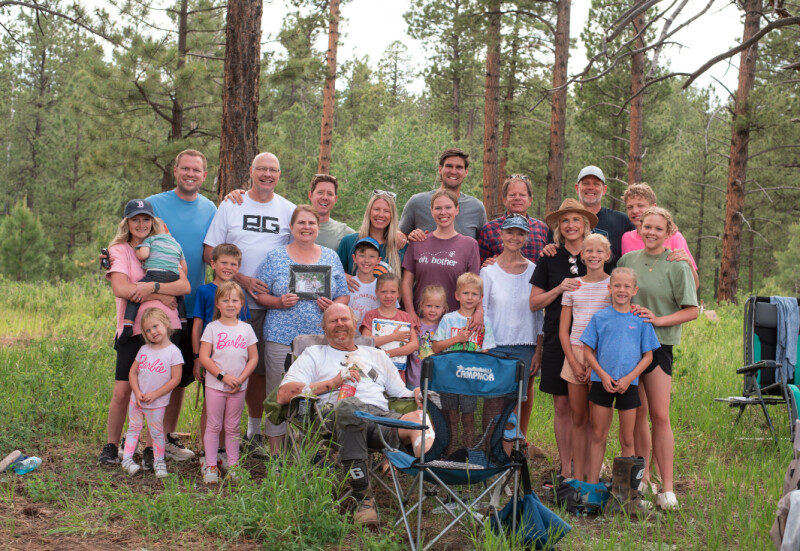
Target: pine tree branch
column 38, row 8
column 771, row 26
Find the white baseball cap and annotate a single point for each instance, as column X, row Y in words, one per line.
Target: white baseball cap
column 591, row 170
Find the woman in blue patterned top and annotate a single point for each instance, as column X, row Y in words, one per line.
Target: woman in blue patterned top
column 287, row 315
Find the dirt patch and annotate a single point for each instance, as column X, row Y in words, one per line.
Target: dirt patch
column 22, row 339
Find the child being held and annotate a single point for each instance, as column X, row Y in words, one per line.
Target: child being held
column 365, row 258
column 453, row 334
column 402, row 341
column 229, row 355
column 618, row 347
column 432, row 306
column 225, row 261
column 154, row 374
column 162, row 259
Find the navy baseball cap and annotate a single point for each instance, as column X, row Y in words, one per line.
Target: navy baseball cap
column 138, row 206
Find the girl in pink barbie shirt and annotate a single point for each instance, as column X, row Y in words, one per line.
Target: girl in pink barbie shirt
column 155, row 372
column 229, row 355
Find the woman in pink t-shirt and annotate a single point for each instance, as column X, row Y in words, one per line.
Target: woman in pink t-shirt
column 124, row 273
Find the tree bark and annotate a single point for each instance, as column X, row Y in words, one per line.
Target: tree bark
column 238, row 143
column 558, row 113
column 737, row 167
column 176, row 129
column 329, row 92
column 637, row 103
column 491, row 111
column 507, row 110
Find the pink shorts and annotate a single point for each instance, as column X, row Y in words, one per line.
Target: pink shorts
column 566, row 370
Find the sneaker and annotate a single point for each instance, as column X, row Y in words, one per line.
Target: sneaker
column 175, row 449
column 147, row 458
column 255, row 446
column 667, row 501
column 210, row 475
column 222, row 458
column 160, row 467
column 109, row 455
column 130, row 466
column 365, row 513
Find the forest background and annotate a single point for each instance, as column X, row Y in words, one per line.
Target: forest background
column 94, row 107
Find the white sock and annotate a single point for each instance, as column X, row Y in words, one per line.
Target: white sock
column 253, row 426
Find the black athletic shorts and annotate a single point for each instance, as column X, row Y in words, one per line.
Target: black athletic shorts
column 662, row 356
column 627, row 400
column 550, row 381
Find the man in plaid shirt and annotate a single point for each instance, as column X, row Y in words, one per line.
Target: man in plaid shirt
column 517, row 198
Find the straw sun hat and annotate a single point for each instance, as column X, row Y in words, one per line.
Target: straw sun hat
column 570, row 205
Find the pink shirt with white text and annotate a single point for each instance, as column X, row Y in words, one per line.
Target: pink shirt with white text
column 228, row 350
column 155, row 370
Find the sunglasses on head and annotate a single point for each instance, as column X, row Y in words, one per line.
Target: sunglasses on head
column 389, row 194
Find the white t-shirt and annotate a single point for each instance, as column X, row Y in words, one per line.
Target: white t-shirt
column 155, row 370
column 323, row 362
column 364, row 300
column 255, row 228
column 228, row 350
column 505, row 305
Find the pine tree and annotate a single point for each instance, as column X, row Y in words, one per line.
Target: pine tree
column 24, row 248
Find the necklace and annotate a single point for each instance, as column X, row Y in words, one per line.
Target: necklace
column 653, row 265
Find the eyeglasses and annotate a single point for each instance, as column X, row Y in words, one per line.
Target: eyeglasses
column 389, row 194
column 267, row 169
column 573, row 269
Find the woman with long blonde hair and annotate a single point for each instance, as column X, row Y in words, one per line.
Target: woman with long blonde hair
column 124, row 273
column 379, row 223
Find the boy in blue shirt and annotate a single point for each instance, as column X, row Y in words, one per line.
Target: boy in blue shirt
column 618, row 347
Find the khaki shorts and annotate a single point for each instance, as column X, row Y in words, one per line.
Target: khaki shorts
column 566, row 370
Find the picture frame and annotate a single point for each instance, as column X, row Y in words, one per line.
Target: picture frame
column 310, row 282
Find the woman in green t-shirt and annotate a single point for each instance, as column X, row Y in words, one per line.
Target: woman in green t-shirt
column 667, row 298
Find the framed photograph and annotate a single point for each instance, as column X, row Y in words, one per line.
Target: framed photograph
column 310, row 282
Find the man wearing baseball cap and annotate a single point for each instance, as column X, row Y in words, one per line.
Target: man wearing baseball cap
column 590, row 187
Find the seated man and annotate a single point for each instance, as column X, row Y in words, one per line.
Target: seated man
column 318, row 370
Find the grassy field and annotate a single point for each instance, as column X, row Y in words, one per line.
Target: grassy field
column 56, row 366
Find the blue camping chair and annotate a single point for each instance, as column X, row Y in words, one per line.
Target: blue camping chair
column 769, row 377
column 469, row 398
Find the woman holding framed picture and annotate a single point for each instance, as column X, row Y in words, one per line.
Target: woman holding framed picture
column 304, row 279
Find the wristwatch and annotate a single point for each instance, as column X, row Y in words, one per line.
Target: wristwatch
column 196, row 355
column 156, row 286
column 220, row 375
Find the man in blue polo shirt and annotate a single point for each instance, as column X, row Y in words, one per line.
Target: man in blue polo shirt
column 187, row 215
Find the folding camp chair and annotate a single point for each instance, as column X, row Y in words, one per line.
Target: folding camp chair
column 767, row 380
column 468, row 448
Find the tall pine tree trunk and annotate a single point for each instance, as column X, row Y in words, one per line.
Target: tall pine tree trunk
column 238, row 142
column 491, row 111
column 176, row 130
column 558, row 114
column 637, row 103
column 737, row 167
column 329, row 92
column 508, row 112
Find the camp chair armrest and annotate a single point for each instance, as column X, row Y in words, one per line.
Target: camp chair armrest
column 390, row 422
column 758, row 366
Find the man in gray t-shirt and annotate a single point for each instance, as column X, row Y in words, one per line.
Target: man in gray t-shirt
column 323, row 196
column 453, row 169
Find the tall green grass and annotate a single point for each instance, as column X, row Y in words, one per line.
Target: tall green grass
column 56, row 372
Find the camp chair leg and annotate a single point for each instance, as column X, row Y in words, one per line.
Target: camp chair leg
column 404, row 514
column 464, row 507
column 766, row 414
column 739, row 416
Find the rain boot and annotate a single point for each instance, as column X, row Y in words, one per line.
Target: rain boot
column 626, row 474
